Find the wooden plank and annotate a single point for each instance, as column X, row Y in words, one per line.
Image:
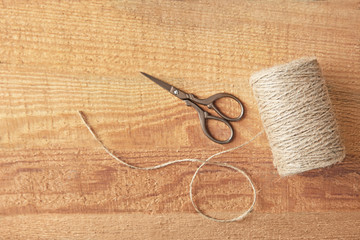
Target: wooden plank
column 182, row 226
column 60, row 57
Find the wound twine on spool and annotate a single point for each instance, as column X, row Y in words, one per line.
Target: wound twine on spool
column 297, row 116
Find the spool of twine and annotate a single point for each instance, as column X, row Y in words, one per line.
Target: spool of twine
column 297, row 116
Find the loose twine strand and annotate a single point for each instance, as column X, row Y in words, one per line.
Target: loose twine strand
column 203, row 163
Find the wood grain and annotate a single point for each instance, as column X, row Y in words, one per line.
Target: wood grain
column 57, row 57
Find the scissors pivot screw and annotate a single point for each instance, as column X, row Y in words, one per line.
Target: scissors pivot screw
column 176, row 92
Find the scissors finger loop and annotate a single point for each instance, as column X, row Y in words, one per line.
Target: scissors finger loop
column 208, row 134
column 210, row 103
column 204, row 117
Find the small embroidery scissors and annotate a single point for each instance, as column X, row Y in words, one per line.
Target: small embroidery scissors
column 193, row 101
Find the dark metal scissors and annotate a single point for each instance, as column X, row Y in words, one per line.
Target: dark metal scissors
column 192, row 101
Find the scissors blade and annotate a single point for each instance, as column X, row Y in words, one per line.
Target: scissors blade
column 158, row 81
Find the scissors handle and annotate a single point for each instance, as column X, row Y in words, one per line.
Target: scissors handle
column 204, row 116
column 210, row 103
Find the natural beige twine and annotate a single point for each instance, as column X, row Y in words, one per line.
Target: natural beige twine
column 207, row 161
column 296, row 112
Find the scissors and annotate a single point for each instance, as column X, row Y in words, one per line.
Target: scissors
column 193, row 101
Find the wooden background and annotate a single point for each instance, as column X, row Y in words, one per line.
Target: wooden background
column 57, row 57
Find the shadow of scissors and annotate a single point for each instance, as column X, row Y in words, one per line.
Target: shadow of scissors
column 193, row 101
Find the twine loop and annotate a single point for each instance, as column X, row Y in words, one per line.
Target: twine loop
column 203, row 163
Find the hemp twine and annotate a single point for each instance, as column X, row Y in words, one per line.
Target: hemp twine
column 298, row 119
column 240, row 217
column 297, row 116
